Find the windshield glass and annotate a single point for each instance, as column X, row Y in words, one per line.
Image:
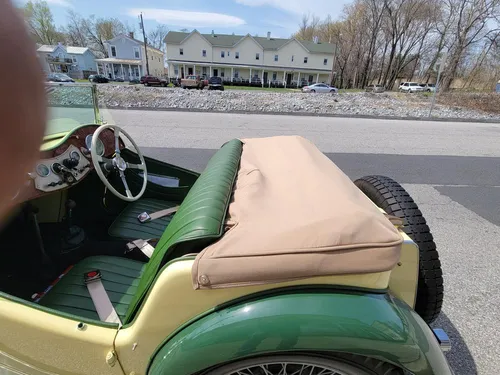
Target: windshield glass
column 69, row 106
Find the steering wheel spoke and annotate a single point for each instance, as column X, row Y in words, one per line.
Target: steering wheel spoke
column 136, row 166
column 124, row 180
column 116, row 129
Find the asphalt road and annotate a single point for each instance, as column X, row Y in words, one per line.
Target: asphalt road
column 452, row 170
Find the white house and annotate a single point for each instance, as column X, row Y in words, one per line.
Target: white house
column 127, row 59
column 248, row 57
column 77, row 62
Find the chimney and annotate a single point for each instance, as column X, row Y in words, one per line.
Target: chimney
column 268, row 35
column 213, row 33
column 131, row 34
column 315, row 39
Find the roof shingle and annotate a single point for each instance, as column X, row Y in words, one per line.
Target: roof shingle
column 229, row 40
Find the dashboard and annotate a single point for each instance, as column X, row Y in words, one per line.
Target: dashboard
column 66, row 164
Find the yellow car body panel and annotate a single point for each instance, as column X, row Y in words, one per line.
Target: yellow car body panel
column 34, row 341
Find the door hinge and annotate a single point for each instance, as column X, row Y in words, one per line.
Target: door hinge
column 111, row 358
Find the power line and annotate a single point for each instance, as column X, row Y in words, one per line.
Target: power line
column 145, row 43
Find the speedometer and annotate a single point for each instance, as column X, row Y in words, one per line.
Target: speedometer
column 99, row 145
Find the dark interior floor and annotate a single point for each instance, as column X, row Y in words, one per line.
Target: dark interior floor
column 23, row 269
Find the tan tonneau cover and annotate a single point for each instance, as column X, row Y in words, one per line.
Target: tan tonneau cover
column 295, row 214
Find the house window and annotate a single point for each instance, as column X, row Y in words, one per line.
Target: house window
column 275, row 57
column 176, row 70
column 113, row 51
column 236, row 72
column 305, row 60
column 227, row 53
column 236, row 56
column 181, row 51
column 222, row 54
column 204, row 53
column 204, row 70
column 137, row 54
column 292, row 57
column 257, row 56
column 275, row 75
column 325, row 61
column 222, row 73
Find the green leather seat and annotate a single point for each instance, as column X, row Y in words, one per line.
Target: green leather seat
column 198, row 222
column 127, row 226
column 120, row 277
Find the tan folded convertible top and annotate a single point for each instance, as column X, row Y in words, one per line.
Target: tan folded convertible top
column 295, row 214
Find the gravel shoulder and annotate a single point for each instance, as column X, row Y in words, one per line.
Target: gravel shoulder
column 360, row 104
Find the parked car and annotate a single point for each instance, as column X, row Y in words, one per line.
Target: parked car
column 98, row 78
column 409, row 87
column 319, row 88
column 215, row 83
column 375, row 88
column 59, row 77
column 193, row 82
column 428, row 87
column 153, row 81
column 119, row 79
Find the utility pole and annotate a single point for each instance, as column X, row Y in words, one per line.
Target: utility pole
column 145, row 44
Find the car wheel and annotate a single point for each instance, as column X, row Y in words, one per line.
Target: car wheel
column 222, row 89
column 313, row 91
column 344, row 364
column 332, row 91
column 395, row 200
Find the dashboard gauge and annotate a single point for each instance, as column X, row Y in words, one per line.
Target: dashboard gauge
column 42, row 170
column 75, row 155
column 100, row 145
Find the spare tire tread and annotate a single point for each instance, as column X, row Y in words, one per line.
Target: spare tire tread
column 395, row 200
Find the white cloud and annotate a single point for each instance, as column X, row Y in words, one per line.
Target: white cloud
column 317, row 7
column 187, row 18
column 62, row 3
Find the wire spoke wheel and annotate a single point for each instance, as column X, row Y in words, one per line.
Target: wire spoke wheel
column 287, row 368
column 307, row 365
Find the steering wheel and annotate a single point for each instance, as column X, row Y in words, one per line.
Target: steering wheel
column 117, row 163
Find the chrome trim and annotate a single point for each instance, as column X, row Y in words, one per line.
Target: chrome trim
column 443, row 339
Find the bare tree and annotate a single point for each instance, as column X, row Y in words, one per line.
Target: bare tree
column 472, row 18
column 156, row 36
column 41, row 23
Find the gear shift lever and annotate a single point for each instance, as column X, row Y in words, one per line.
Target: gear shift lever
column 74, row 235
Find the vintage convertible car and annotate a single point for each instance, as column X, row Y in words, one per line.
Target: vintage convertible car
column 271, row 261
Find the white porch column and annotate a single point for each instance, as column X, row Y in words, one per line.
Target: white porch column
column 129, row 72
column 113, row 70
column 184, row 70
column 210, row 71
column 250, row 80
column 262, row 78
column 317, row 78
column 194, row 69
column 140, row 72
column 298, row 81
column 284, row 78
column 97, row 67
column 232, row 74
column 123, row 74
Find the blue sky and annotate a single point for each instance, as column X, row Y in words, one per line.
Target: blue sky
column 280, row 17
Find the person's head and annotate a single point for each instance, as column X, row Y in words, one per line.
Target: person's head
column 22, row 104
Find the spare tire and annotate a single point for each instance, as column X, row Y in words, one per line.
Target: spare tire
column 395, row 200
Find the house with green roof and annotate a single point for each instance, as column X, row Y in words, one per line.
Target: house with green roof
column 247, row 57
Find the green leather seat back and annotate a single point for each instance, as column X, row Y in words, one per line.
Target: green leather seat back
column 200, row 218
column 127, row 226
column 120, row 278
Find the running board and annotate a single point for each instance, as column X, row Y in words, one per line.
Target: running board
column 443, row 339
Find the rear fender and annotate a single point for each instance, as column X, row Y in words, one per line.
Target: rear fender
column 371, row 325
